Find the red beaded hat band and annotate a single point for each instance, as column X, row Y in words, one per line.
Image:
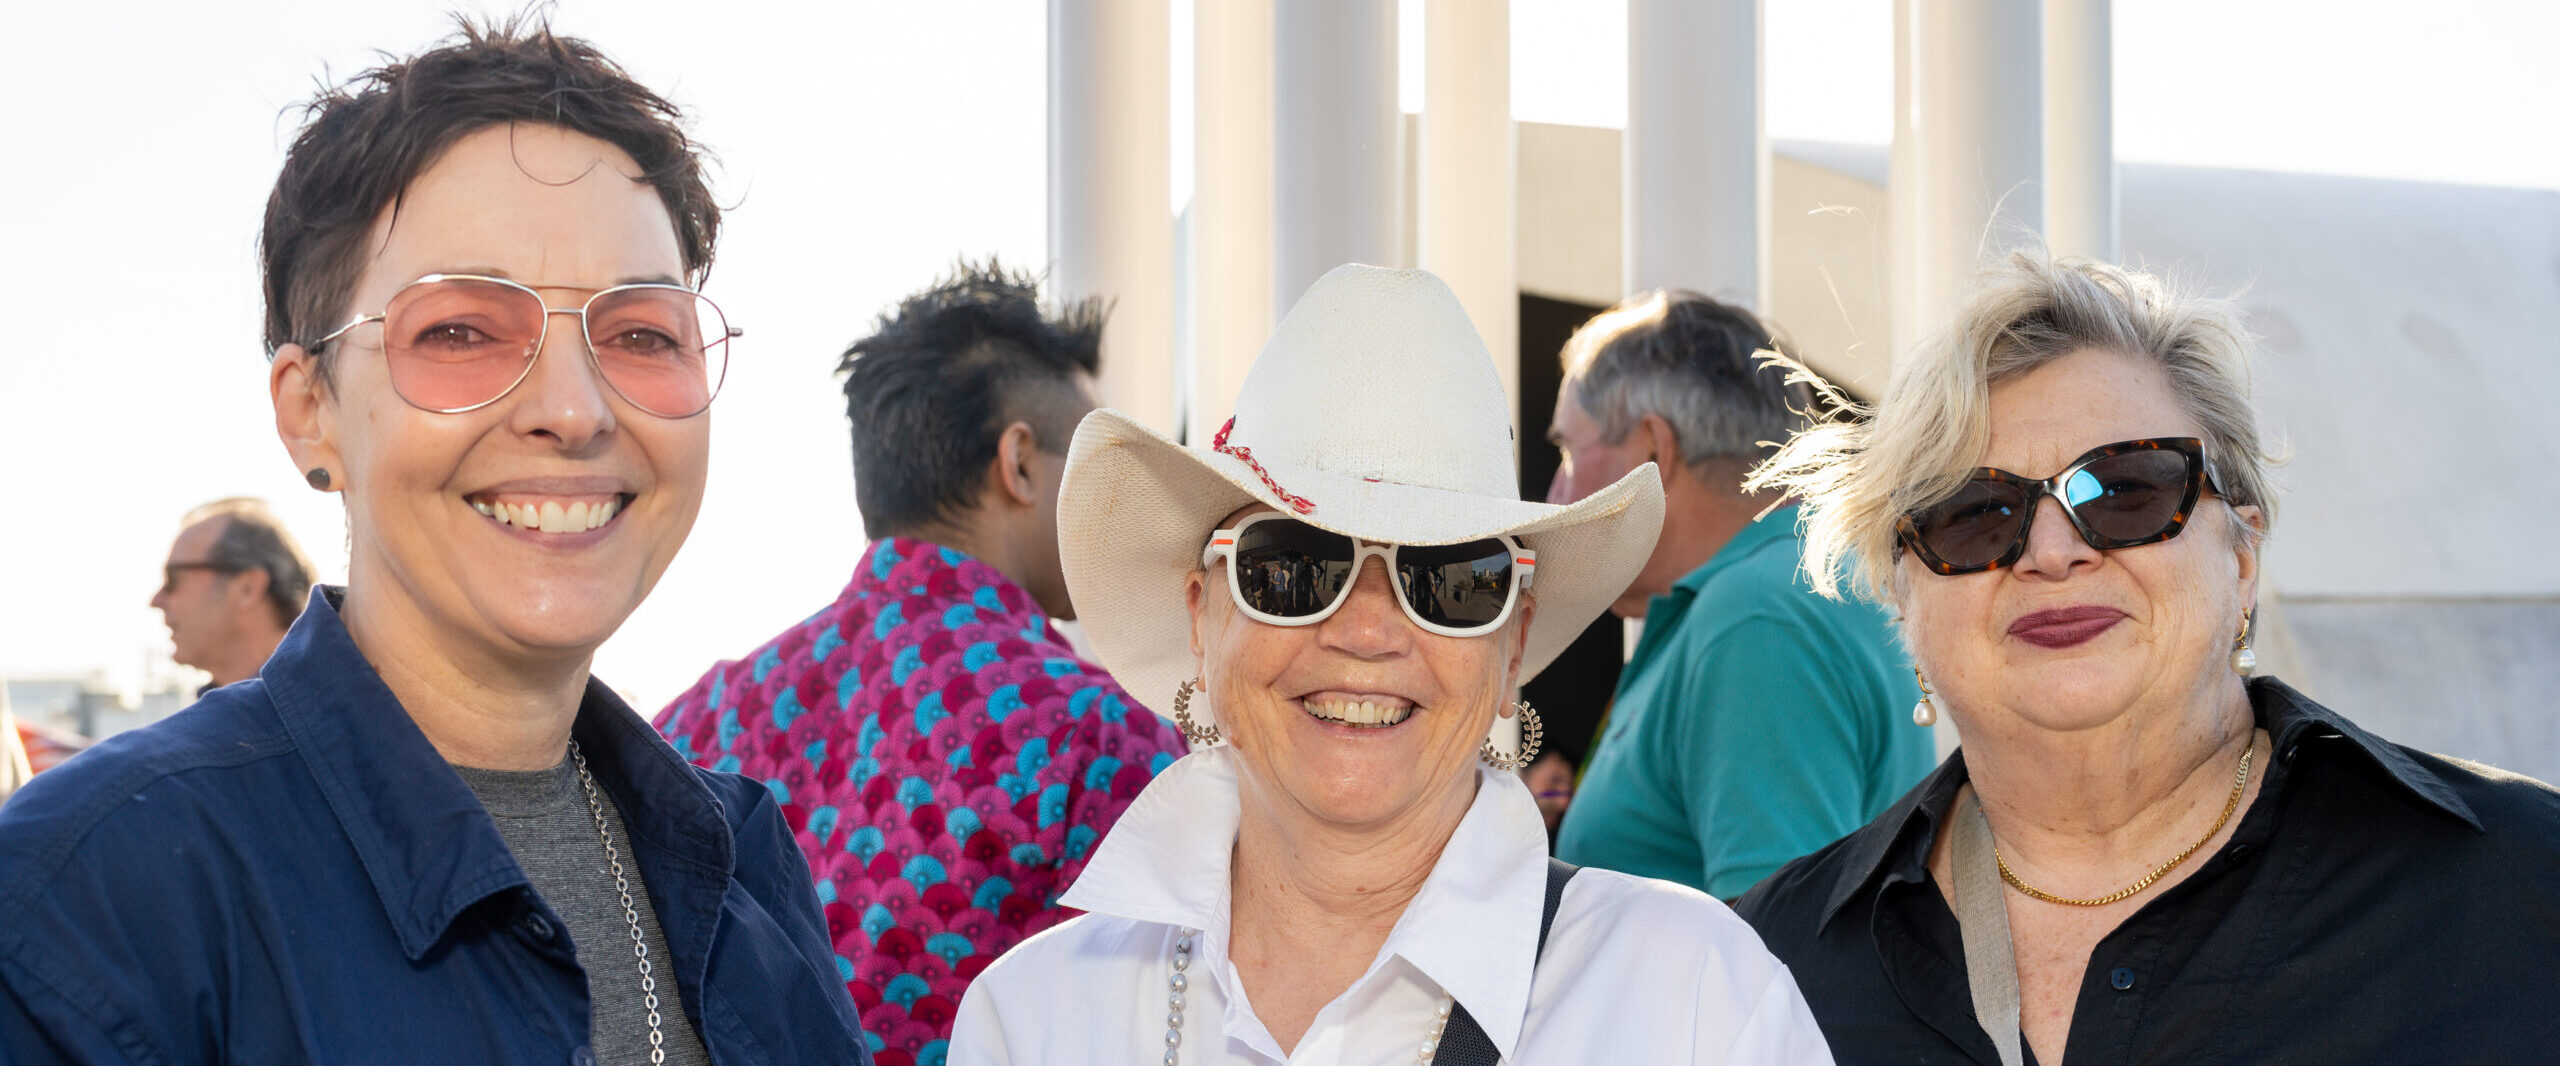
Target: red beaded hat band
column 1297, row 503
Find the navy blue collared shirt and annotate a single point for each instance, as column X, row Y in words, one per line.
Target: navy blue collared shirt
column 288, row 872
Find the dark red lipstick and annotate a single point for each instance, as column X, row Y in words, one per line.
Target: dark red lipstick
column 2064, row 627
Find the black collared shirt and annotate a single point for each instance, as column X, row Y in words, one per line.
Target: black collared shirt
column 2375, row 905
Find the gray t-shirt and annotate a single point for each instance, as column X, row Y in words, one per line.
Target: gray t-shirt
column 544, row 817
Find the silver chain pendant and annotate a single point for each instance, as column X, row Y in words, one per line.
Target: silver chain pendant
column 630, row 911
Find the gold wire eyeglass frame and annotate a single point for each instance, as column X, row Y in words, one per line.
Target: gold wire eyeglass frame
column 534, row 351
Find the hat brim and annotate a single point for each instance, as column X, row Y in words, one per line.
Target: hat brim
column 1135, row 509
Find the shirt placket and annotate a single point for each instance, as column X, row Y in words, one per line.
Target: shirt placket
column 2143, row 968
column 1932, row 985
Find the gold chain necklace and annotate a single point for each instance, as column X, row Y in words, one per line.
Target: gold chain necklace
column 2239, row 784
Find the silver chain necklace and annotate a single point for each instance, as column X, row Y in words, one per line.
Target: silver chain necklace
column 1180, row 983
column 630, row 912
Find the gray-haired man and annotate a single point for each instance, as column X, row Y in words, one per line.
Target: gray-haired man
column 1756, row 721
column 234, row 582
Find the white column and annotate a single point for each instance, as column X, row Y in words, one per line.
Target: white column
column 1968, row 155
column 1697, row 151
column 1968, row 158
column 1902, row 195
column 1231, row 234
column 1469, row 229
column 1334, row 142
column 1111, row 188
column 2079, row 129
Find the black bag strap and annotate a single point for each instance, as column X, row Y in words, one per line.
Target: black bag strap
column 1463, row 1043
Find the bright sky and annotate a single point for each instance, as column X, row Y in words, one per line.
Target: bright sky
column 865, row 144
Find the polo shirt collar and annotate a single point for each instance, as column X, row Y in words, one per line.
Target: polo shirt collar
column 429, row 848
column 1770, row 526
column 1663, row 613
column 1896, row 844
column 1472, row 928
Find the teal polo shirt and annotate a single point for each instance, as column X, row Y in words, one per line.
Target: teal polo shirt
column 1757, row 722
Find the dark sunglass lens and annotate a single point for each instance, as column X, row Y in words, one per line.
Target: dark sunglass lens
column 1290, row 569
column 1976, row 526
column 1456, row 585
column 2136, row 496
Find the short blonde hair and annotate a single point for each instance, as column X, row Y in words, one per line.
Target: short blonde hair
column 1857, row 476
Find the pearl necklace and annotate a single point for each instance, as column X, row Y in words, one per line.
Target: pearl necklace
column 1179, row 983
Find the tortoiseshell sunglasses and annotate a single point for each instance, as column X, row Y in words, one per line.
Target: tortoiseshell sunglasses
column 2120, row 495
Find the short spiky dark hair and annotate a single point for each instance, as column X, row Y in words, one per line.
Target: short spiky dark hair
column 931, row 390
column 364, row 141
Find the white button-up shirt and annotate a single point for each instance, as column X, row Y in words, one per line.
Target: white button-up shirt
column 1635, row 970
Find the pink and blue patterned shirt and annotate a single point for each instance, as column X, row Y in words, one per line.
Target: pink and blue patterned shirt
column 946, row 762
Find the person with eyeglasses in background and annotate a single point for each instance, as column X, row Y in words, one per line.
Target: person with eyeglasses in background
column 424, row 833
column 2142, row 853
column 234, row 582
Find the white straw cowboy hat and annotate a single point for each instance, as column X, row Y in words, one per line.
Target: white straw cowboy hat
column 1376, row 412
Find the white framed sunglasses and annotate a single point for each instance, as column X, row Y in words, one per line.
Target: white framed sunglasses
column 1284, row 572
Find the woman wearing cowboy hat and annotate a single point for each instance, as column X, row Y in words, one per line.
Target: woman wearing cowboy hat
column 1346, row 870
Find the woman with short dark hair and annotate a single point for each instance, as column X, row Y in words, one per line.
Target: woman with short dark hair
column 425, row 833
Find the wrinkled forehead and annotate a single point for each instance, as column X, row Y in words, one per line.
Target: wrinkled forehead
column 2044, row 419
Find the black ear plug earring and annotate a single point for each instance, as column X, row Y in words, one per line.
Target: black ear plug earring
column 318, row 476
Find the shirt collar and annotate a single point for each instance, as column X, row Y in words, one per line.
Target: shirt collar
column 2289, row 717
column 905, row 566
column 1472, row 928
column 426, row 843
column 1663, row 613
column 1762, row 530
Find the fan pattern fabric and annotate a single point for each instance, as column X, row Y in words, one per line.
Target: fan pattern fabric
column 947, row 763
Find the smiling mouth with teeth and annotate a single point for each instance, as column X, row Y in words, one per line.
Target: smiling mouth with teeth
column 1358, row 714
column 551, row 516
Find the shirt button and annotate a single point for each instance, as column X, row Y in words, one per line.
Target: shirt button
column 582, row 1057
column 2122, row 979
column 537, row 927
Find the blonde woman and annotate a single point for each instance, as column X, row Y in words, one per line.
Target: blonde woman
column 2141, row 854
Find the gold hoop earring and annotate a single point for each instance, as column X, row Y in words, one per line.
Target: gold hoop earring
column 1923, row 713
column 2244, row 661
column 1203, row 735
column 1532, row 731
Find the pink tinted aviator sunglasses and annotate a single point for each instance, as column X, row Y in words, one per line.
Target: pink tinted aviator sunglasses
column 460, row 342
